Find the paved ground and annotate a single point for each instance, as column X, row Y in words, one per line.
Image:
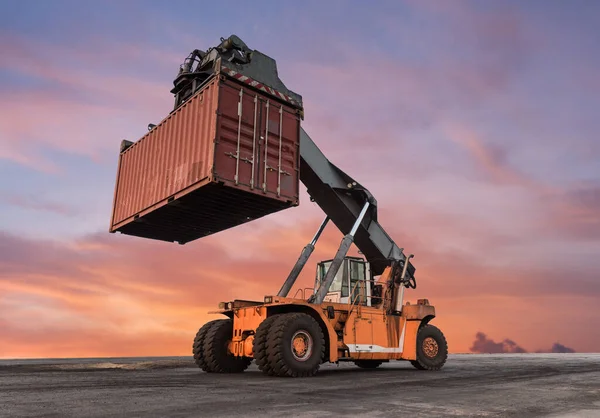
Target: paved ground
column 555, row 385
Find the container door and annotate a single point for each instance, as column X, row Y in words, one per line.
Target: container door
column 258, row 144
column 277, row 150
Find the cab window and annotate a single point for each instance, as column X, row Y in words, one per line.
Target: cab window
column 357, row 273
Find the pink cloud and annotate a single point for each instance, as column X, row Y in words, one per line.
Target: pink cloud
column 491, row 158
column 33, row 202
column 87, row 111
column 26, row 155
column 574, row 213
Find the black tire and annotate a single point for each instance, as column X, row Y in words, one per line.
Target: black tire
column 417, row 365
column 282, row 360
column 216, row 355
column 259, row 345
column 432, row 349
column 368, row 364
column 198, row 345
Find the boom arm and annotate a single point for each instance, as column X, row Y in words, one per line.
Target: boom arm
column 353, row 209
column 342, row 200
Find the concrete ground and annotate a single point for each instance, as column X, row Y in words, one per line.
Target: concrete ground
column 517, row 385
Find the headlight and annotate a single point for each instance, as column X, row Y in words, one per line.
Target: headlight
column 268, row 299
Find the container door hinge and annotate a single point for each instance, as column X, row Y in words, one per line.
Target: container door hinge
column 239, row 137
column 253, row 141
column 280, row 143
column 266, row 148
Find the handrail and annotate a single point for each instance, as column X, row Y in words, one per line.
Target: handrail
column 350, row 297
column 300, row 290
column 362, row 293
column 303, row 292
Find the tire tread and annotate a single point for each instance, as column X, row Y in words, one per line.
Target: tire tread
column 430, row 331
column 259, row 345
column 217, row 359
column 198, row 346
column 275, row 343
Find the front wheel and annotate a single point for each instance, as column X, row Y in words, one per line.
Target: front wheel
column 432, row 349
column 295, row 345
column 198, row 346
column 259, row 344
column 217, row 357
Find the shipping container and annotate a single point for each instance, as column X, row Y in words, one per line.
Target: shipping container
column 228, row 155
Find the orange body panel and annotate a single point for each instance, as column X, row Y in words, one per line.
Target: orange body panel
column 247, row 319
column 410, row 341
column 371, row 335
column 368, row 333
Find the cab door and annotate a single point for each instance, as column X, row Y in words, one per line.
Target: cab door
column 338, row 291
column 359, row 297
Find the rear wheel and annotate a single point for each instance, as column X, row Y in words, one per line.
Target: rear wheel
column 368, row 364
column 432, row 349
column 295, row 345
column 217, row 357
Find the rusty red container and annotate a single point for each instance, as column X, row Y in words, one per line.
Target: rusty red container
column 229, row 155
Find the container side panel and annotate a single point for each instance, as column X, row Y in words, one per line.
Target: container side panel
column 172, row 157
column 267, row 136
column 227, row 156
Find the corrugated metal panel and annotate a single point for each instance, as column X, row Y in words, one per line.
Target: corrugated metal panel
column 175, row 155
column 202, row 169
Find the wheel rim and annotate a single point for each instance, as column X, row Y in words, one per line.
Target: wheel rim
column 430, row 347
column 302, row 345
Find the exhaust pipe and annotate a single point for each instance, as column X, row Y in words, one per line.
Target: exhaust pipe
column 399, row 288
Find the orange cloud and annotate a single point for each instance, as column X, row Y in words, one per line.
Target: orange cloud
column 118, row 295
column 123, row 290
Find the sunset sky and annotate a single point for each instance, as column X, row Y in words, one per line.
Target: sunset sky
column 475, row 125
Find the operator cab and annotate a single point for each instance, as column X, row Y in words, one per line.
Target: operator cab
column 353, row 277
